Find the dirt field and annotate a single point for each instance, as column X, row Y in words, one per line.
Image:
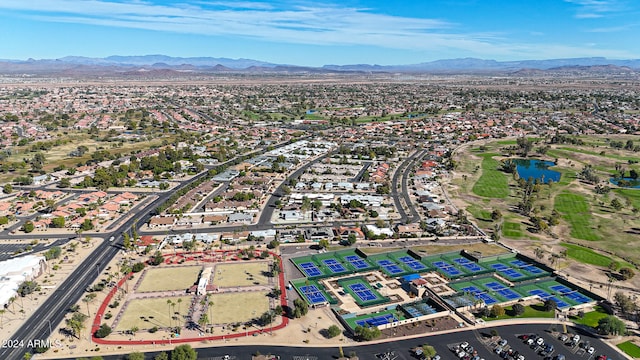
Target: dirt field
column 242, row 274
column 168, row 279
column 238, row 307
column 147, row 313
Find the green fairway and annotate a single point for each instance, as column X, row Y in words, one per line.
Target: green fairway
column 632, row 195
column 575, row 210
column 630, row 349
column 479, row 213
column 587, row 256
column 511, row 229
column 591, row 318
column 493, row 183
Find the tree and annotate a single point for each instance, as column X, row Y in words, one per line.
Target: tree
column 76, row 323
column 58, row 222
column 351, row 239
column 161, row 356
column 103, row 331
column 367, row 333
column 518, row 309
column 135, row 356
column 64, row 183
column 184, row 352
column 333, row 331
column 324, row 243
column 539, row 253
column 626, row 273
column 616, row 204
column 611, row 325
column 497, row 310
column 428, row 351
column 28, row 227
column 496, row 215
column 37, row 162
column 550, row 305
column 7, row 189
column 137, row 267
column 86, row 225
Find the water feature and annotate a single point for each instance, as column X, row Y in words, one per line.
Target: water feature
column 537, row 170
column 626, row 182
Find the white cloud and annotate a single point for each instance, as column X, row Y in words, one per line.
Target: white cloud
column 591, row 9
column 317, row 24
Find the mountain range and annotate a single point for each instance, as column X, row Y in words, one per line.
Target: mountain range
column 162, row 64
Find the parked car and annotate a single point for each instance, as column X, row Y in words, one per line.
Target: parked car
column 591, row 350
column 564, row 338
column 464, row 345
column 502, row 342
column 540, row 341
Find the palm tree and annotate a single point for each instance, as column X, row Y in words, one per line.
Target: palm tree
column 210, row 304
column 539, row 253
column 169, row 302
column 179, row 302
column 2, row 311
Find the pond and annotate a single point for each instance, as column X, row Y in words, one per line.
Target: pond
column 626, row 182
column 536, row 169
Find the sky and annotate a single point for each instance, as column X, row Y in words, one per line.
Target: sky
column 315, row 33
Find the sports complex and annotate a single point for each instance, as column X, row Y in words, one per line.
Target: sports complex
column 399, row 287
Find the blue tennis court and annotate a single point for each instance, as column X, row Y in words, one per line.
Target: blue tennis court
column 377, row 320
column 561, row 289
column 495, row 286
column 312, row 293
column 357, row 262
column 447, row 268
column 577, row 297
column 508, row 294
column 334, row 266
column 391, row 267
column 500, row 267
column 511, row 273
column 518, row 263
column 362, row 292
column 412, row 263
column 469, row 265
column 532, row 269
column 310, row 269
column 480, row 295
column 546, row 296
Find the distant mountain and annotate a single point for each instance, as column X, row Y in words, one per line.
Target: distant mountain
column 152, row 64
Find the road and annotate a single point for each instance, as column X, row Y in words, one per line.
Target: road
column 400, row 176
column 478, row 338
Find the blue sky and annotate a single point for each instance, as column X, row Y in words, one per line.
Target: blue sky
column 321, row 32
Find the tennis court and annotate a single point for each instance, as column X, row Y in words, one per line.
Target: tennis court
column 571, row 294
column 546, row 296
column 310, row 269
column 507, row 271
column 313, row 294
column 357, row 262
column 377, row 320
column 503, row 291
column 447, row 268
column 480, row 295
column 334, row 266
column 412, row 263
column 468, row 264
column 362, row 292
column 390, row 267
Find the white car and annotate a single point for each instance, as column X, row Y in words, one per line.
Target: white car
column 464, row 345
column 540, row 341
column 575, row 338
column 591, row 350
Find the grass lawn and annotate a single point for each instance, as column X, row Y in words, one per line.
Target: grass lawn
column 493, row 183
column 241, row 274
column 169, row 278
column 533, row 311
column 575, row 210
column 147, row 313
column 632, row 194
column 511, row 230
column 586, row 256
column 238, row 307
column 485, row 249
column 479, row 213
column 630, row 349
column 591, row 318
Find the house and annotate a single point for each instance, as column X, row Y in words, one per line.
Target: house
column 266, row 235
column 189, row 221
column 240, row 217
column 435, row 224
column 344, row 232
column 290, row 235
column 214, row 219
column 318, row 233
column 206, row 238
column 234, row 237
column 376, row 231
column 291, row 215
column 162, row 221
column 410, row 229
